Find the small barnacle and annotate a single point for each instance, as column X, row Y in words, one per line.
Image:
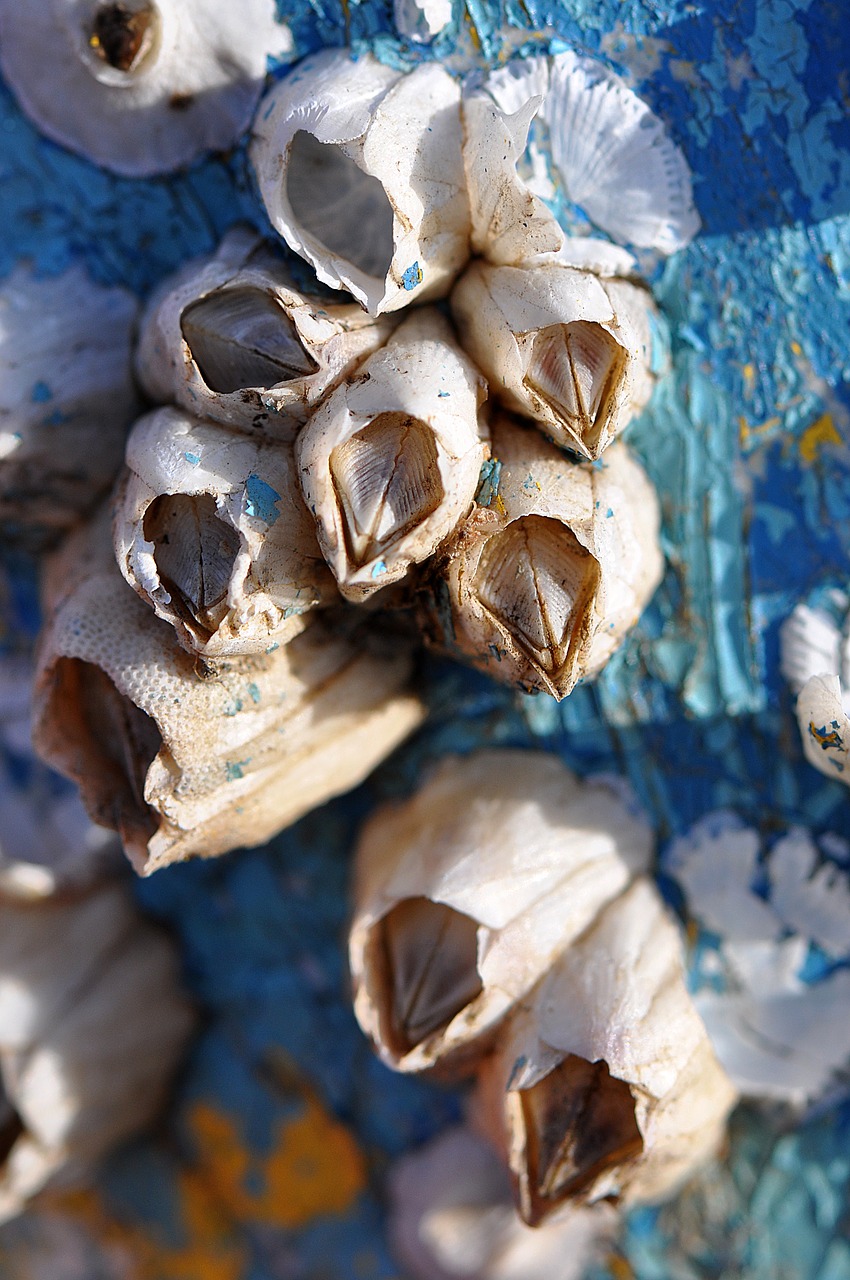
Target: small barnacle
column 182, row 766
column 604, row 1084
column 564, row 347
column 466, row 893
column 543, row 585
column 77, row 1074
column 66, row 396
column 452, row 1218
column 211, row 530
column 816, row 664
column 140, row 86
column 230, row 337
column 389, row 463
column 610, row 152
column 361, row 172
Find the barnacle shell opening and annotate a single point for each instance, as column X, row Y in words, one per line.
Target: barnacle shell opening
column 537, row 583
column 574, row 1124
column 578, row 370
column 121, row 37
column 387, row 480
column 241, row 338
column 428, row 952
column 195, row 553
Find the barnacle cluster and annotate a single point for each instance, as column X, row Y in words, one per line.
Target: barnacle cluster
column 329, row 478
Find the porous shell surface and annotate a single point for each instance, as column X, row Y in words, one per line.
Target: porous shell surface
column 380, row 189
column 452, row 1218
column 332, row 337
column 76, row 1072
column 389, row 464
column 66, row 395
column 193, row 86
column 549, row 606
column 188, row 760
column 239, row 535
column 564, row 347
column 511, row 840
column 612, row 154
column 616, row 997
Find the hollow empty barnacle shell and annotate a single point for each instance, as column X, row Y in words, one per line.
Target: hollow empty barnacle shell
column 187, row 758
column 540, row 587
column 48, row 845
column 389, row 463
column 611, row 153
column 140, row 86
column 571, row 350
column 465, row 893
column 230, row 337
column 452, row 1218
column 66, row 396
column 92, row 1024
column 361, row 172
column 604, row 1084
column 211, row 530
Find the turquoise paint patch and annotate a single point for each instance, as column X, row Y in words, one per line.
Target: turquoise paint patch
column 261, row 499
column 234, row 769
column 254, row 693
column 488, row 482
column 379, row 568
column 192, row 458
column 412, row 277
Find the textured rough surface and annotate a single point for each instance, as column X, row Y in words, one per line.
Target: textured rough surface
column 271, row 1164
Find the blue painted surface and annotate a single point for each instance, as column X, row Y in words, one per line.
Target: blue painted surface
column 692, row 710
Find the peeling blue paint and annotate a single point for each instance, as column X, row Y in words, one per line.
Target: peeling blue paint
column 261, row 500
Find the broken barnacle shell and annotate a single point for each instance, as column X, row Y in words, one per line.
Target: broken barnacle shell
column 816, row 664
column 564, row 347
column 66, row 396
column 540, row 587
column 230, row 337
column 211, row 530
column 184, row 757
column 47, row 843
column 389, row 464
column 611, row 155
column 140, row 86
column 361, row 172
column 452, row 1218
column 92, row 1025
column 604, row 1084
column 466, row 892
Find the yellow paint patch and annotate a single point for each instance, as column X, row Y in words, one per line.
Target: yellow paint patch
column 821, row 432
column 315, row 1167
column 749, row 434
column 796, row 348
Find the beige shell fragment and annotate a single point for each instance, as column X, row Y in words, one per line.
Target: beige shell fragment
column 466, row 893
column 47, row 843
column 92, row 1024
column 230, row 337
column 541, row 586
column 452, row 1218
column 361, row 171
column 140, row 86
column 389, row 464
column 211, row 530
column 186, row 758
column 66, row 395
column 564, row 347
column 605, row 1084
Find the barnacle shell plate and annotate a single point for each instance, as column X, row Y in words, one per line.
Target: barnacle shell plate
column 144, row 86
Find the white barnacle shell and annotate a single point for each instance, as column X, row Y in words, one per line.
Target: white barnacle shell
column 541, row 586
column 466, row 893
column 389, row 463
column 230, row 337
column 604, row 1083
column 185, row 758
column 140, row 86
column 361, row 172
column 47, row 843
column 816, row 664
column 571, row 350
column 211, row 530
column 612, row 155
column 92, row 1025
column 452, row 1218
column 66, row 395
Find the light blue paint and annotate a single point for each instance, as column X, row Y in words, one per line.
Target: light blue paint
column 192, row 459
column 378, row 568
column 261, row 500
column 412, row 277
